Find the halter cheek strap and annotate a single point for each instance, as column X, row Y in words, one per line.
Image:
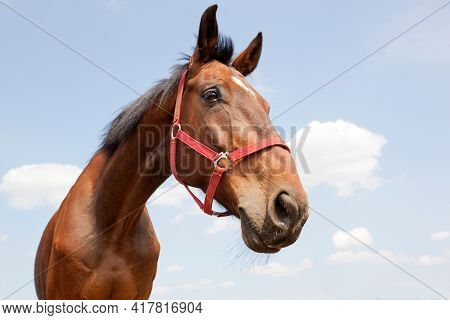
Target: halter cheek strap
column 178, row 134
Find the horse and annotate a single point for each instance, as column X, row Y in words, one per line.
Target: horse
column 211, row 129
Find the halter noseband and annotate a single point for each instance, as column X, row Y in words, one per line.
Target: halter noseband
column 178, row 134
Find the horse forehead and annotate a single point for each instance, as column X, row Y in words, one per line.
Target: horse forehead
column 214, row 70
column 244, row 85
column 230, row 75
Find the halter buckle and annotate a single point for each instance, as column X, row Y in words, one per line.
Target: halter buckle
column 222, row 155
column 177, row 126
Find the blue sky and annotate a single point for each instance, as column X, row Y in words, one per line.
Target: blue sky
column 378, row 148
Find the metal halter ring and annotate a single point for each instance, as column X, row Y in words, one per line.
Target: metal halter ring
column 178, row 126
column 222, row 155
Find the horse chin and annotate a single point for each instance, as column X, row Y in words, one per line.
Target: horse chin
column 251, row 238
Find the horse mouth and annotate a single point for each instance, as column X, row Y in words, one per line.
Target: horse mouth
column 251, row 236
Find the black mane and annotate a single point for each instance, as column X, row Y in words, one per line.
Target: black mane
column 223, row 50
column 131, row 115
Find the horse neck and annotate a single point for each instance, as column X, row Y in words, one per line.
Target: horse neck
column 135, row 170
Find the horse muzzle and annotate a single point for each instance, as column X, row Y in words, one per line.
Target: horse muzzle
column 281, row 225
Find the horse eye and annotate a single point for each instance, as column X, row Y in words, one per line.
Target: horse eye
column 211, row 95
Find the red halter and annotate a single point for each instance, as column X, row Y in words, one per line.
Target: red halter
column 210, row 154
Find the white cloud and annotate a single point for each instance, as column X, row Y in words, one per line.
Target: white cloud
column 342, row 240
column 187, row 211
column 170, row 196
column 206, row 284
column 4, row 237
column 426, row 260
column 441, row 235
column 160, row 291
column 200, row 284
column 179, row 217
column 174, row 268
column 35, row 185
column 227, row 284
column 349, row 256
column 220, row 225
column 173, row 195
column 341, row 155
column 276, row 269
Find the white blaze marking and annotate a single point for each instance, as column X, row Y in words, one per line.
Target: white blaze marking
column 244, row 86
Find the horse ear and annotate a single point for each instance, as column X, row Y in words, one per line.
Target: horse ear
column 247, row 61
column 208, row 35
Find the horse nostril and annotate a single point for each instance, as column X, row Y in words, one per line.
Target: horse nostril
column 286, row 209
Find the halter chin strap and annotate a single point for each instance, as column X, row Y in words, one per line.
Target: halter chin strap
column 178, row 134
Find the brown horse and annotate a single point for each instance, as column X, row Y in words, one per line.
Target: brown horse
column 101, row 244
